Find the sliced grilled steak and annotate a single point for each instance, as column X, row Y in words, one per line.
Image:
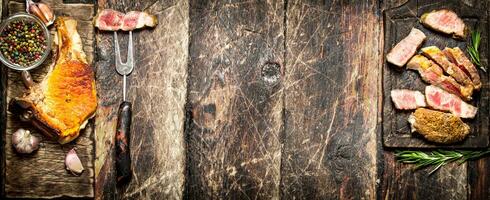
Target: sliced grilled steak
column 456, row 56
column 407, row 99
column 406, row 48
column 445, row 21
column 444, row 101
column 438, row 126
column 440, row 58
column 433, row 74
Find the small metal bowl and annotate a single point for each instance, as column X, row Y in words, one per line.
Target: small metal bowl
column 47, row 35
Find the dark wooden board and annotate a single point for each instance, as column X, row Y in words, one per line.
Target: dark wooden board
column 332, row 85
column 397, row 24
column 235, row 99
column 43, row 174
column 157, row 90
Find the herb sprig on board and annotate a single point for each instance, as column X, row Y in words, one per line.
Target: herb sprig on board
column 473, row 48
column 437, row 158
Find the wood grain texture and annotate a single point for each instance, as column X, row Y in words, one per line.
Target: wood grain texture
column 400, row 181
column 235, row 99
column 43, row 174
column 478, row 181
column 3, row 110
column 331, row 100
column 398, row 22
column 157, row 90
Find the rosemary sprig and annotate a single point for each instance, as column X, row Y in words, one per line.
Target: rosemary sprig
column 473, row 48
column 437, row 158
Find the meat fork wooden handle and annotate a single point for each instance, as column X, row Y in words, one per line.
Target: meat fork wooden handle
column 123, row 158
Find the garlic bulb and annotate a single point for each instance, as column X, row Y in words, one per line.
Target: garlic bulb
column 73, row 163
column 42, row 11
column 24, row 142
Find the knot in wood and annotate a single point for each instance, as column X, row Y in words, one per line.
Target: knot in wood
column 271, row 72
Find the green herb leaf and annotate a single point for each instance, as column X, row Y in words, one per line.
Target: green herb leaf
column 437, row 158
column 473, row 48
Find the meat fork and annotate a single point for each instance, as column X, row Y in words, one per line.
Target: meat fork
column 123, row 159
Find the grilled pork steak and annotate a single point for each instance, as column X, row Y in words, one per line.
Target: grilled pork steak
column 456, row 56
column 406, row 48
column 440, row 58
column 438, row 126
column 407, row 99
column 444, row 101
column 112, row 20
column 445, row 21
column 433, row 74
column 61, row 104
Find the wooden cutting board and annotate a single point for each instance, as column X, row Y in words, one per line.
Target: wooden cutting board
column 42, row 174
column 397, row 24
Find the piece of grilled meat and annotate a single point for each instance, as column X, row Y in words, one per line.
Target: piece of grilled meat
column 445, row 21
column 61, row 104
column 438, row 126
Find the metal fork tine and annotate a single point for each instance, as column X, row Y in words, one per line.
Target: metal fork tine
column 129, row 61
column 116, row 49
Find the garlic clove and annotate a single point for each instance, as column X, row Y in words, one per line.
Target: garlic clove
column 47, row 12
column 24, row 142
column 32, row 8
column 73, row 163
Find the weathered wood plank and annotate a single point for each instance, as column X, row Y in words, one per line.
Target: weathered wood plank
column 400, row 181
column 43, row 174
column 157, row 89
column 235, row 99
column 478, row 171
column 331, row 100
column 478, row 181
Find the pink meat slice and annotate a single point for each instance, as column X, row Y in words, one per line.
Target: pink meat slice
column 109, row 20
column 112, row 20
column 406, row 48
column 407, row 99
column 441, row 100
column 136, row 20
column 445, row 21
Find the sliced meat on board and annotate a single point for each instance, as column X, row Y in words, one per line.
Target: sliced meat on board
column 456, row 56
column 406, row 48
column 439, row 127
column 440, row 58
column 445, row 21
column 433, row 74
column 444, row 101
column 407, row 99
column 112, row 20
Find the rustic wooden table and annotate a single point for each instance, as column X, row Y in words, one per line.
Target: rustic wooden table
column 269, row 99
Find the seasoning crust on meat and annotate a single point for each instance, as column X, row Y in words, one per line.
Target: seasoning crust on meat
column 439, row 127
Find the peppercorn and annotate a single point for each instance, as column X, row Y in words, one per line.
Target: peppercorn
column 22, row 42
